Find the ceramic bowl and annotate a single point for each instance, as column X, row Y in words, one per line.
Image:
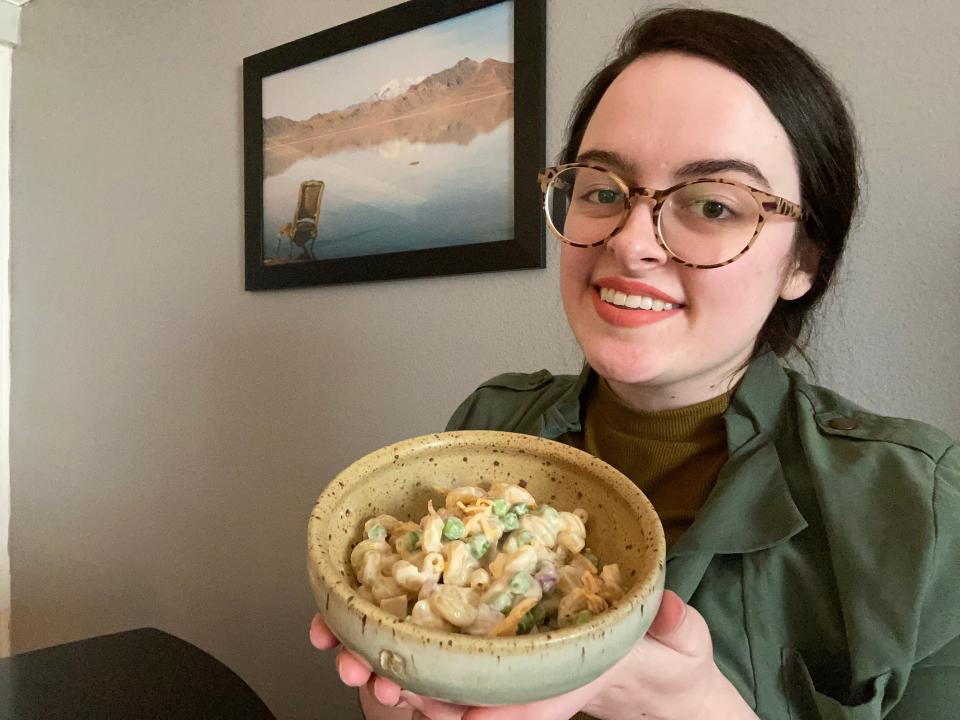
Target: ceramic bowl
column 399, row 479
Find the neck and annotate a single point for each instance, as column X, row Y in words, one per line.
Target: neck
column 651, row 397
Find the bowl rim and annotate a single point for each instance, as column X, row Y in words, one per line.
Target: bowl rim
column 339, row 584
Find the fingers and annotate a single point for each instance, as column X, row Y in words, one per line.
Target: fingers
column 669, row 616
column 562, row 706
column 433, row 709
column 353, row 669
column 680, row 627
column 386, row 691
column 320, row 635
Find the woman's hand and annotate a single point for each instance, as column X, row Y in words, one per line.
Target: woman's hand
column 669, row 675
column 356, row 672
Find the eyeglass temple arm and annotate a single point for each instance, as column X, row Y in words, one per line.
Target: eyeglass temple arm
column 784, row 207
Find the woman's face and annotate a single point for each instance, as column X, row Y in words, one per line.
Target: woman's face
column 662, row 113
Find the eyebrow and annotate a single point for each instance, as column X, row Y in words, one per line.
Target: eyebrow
column 688, row 171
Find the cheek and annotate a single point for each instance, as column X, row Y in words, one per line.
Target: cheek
column 743, row 293
column 576, row 265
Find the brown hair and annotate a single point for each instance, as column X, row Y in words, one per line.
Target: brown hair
column 803, row 98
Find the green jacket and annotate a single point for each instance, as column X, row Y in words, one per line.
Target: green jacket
column 826, row 560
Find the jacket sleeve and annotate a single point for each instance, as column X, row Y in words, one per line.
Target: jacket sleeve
column 460, row 418
column 933, row 687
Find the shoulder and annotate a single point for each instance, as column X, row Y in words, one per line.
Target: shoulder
column 515, row 402
column 843, row 423
column 888, row 491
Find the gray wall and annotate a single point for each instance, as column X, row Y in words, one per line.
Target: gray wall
column 171, row 432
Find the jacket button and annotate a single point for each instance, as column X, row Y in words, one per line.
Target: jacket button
column 842, row 423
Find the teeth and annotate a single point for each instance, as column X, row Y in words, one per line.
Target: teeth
column 615, row 297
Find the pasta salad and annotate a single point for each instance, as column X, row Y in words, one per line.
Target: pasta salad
column 491, row 562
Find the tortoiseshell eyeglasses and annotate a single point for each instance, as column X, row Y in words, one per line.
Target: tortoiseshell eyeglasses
column 700, row 223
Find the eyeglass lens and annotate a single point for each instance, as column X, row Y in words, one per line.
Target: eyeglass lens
column 704, row 223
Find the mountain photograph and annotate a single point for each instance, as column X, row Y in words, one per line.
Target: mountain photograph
column 400, row 145
column 452, row 105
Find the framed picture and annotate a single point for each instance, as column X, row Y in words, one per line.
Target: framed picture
column 402, row 144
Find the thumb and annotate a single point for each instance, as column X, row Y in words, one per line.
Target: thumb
column 679, row 626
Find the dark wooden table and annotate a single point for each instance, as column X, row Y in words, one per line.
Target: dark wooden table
column 142, row 674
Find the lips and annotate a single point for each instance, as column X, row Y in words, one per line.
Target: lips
column 634, row 287
column 641, row 295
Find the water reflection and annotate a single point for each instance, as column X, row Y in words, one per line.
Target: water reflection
column 434, row 178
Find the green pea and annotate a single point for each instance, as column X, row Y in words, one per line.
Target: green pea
column 502, row 602
column 581, row 617
column 524, row 537
column 377, row 532
column 478, row 545
column 500, row 507
column 413, row 540
column 519, row 583
column 510, row 521
column 532, row 619
column 539, row 613
column 520, row 509
column 453, row 528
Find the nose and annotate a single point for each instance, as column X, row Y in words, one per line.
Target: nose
column 636, row 244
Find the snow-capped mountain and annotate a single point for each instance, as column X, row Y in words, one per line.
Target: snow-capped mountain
column 394, row 88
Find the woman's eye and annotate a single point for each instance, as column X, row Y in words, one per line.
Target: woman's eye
column 712, row 209
column 603, row 196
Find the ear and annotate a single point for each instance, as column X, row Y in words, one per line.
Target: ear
column 800, row 275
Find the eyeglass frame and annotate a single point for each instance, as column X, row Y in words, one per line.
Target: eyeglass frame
column 767, row 204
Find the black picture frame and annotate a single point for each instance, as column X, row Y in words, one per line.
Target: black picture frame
column 526, row 249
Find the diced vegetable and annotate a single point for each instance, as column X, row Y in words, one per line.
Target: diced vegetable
column 500, row 507
column 532, row 619
column 524, row 537
column 510, row 521
column 502, row 602
column 413, row 540
column 581, row 617
column 519, row 583
column 547, row 577
column 520, row 509
column 478, row 544
column 377, row 532
column 453, row 528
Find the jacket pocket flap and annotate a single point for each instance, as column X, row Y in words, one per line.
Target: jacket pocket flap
column 804, row 700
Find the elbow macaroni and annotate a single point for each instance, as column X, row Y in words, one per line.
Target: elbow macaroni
column 489, row 562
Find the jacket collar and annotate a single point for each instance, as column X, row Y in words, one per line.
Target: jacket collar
column 751, row 507
column 564, row 415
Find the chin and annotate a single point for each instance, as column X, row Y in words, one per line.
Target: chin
column 624, row 365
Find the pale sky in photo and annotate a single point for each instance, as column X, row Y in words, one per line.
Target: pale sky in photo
column 339, row 81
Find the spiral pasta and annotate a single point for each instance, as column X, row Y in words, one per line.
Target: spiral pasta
column 491, row 561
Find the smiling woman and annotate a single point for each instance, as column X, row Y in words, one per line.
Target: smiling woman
column 703, row 200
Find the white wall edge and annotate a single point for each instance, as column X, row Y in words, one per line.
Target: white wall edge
column 9, row 24
column 6, row 78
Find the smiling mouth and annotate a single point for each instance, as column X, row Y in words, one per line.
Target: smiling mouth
column 635, row 302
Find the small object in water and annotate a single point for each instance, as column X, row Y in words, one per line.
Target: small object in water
column 414, row 162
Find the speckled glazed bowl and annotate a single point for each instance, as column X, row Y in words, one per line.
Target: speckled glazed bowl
column 399, row 479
